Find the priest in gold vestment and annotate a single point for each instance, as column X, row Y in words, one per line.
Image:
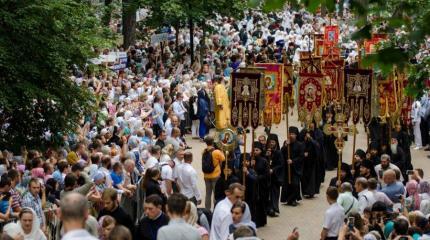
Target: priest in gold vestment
column 222, row 105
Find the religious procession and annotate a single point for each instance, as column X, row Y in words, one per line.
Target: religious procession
column 214, row 121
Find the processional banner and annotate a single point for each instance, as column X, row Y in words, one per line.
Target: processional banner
column 245, row 99
column 310, row 98
column 371, row 44
column 358, row 89
column 288, row 88
column 272, row 90
column 333, row 80
column 331, row 35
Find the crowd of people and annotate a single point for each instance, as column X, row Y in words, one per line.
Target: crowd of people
column 127, row 173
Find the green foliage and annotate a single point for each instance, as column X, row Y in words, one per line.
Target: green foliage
column 39, row 42
column 173, row 12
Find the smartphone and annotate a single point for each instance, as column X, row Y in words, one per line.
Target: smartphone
column 381, row 173
column 351, row 222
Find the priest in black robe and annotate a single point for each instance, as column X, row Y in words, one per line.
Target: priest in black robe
column 277, row 172
column 257, row 185
column 317, row 136
column 293, row 155
column 331, row 156
column 397, row 155
column 373, row 153
column 404, row 142
column 310, row 178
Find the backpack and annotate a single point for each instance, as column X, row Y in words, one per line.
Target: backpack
column 207, row 163
column 207, row 213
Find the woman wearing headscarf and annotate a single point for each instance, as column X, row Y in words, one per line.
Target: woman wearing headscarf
column 412, row 202
column 27, row 226
column 424, row 189
column 202, row 111
column 237, row 211
column 191, row 217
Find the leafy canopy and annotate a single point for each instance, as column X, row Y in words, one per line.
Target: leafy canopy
column 39, row 42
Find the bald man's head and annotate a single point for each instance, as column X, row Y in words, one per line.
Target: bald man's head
column 74, row 208
column 389, row 176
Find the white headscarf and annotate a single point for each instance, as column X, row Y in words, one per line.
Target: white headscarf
column 36, row 233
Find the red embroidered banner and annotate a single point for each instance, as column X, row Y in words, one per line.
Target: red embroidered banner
column 333, row 80
column 370, row 44
column 273, row 81
column 310, row 97
column 331, row 35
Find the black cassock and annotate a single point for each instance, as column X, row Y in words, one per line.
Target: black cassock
column 331, row 156
column 257, row 190
column 318, row 136
column 277, row 165
column 291, row 191
column 310, row 177
column 404, row 140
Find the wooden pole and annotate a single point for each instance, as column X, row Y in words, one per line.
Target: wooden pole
column 226, row 165
column 339, row 164
column 289, row 148
column 244, row 156
column 353, row 144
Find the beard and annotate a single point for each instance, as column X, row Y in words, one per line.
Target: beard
column 393, row 148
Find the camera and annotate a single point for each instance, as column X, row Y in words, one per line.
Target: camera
column 351, row 222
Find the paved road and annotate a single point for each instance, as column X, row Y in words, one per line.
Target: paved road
column 308, row 216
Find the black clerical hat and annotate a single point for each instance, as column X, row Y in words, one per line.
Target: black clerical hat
column 258, row 145
column 293, row 130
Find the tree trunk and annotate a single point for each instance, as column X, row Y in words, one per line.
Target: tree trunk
column 107, row 13
column 177, row 40
column 129, row 22
column 203, row 41
column 191, row 39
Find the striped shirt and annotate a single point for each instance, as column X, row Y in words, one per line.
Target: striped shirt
column 16, row 198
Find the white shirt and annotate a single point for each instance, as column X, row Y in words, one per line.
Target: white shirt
column 221, row 219
column 166, row 174
column 178, row 164
column 179, row 109
column 333, row 219
column 80, row 234
column 187, row 180
column 151, row 162
column 365, row 199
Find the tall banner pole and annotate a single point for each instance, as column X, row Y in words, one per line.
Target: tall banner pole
column 353, row 144
column 244, row 156
column 288, row 135
column 226, row 165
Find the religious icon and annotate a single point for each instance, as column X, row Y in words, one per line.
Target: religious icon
column 245, row 91
column 226, row 139
column 310, row 93
column 331, row 36
column 269, row 83
column 357, row 86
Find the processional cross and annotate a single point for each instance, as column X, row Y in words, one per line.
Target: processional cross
column 339, row 129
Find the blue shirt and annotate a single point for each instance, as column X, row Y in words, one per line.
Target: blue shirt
column 393, row 191
column 116, row 179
